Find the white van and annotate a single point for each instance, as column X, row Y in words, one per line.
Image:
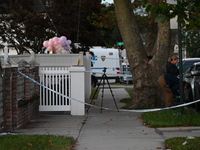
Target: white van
column 106, row 58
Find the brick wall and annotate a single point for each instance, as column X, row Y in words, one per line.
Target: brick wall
column 1, row 101
column 21, row 96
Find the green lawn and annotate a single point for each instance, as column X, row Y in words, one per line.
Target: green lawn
column 172, row 118
column 36, row 142
column 183, row 143
column 94, row 93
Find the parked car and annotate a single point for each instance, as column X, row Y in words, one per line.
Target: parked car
column 188, row 62
column 126, row 75
column 192, row 76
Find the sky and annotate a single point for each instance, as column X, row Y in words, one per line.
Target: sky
column 107, row 1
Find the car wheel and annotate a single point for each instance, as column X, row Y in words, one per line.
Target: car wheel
column 190, row 97
column 197, row 96
column 197, row 107
column 117, row 80
column 94, row 81
column 121, row 80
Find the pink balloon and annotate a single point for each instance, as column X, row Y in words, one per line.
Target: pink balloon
column 45, row 43
column 50, row 42
column 55, row 44
column 55, row 39
column 58, row 47
column 60, row 42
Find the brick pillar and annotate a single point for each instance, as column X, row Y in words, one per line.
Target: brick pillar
column 14, row 80
column 27, row 83
column 37, row 78
column 8, row 98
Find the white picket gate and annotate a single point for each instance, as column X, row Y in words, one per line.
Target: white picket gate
column 62, row 74
column 56, row 96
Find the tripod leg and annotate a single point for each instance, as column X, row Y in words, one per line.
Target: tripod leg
column 94, row 95
column 102, row 91
column 111, row 92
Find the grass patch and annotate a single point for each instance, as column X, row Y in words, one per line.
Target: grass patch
column 93, row 92
column 129, row 91
column 171, row 118
column 182, row 143
column 167, row 118
column 126, row 100
column 36, row 142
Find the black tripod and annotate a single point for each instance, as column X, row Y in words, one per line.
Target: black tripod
column 103, row 78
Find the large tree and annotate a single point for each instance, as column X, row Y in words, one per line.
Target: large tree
column 147, row 62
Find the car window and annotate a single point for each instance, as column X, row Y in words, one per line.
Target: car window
column 188, row 68
column 192, row 68
column 198, row 67
column 188, row 64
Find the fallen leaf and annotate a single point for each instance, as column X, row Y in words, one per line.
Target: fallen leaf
column 51, row 144
column 30, row 144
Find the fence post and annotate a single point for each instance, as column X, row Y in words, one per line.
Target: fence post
column 77, row 90
column 87, row 65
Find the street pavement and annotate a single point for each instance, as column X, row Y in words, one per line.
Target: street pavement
column 106, row 129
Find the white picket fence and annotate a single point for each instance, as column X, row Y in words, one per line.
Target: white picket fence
column 58, row 79
column 65, row 89
column 66, row 85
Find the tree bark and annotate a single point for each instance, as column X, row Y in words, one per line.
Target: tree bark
column 145, row 70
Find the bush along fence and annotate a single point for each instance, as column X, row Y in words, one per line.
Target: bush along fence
column 19, row 97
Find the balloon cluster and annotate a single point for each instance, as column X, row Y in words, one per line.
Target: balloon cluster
column 58, row 45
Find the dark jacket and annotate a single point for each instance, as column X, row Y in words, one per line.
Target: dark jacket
column 172, row 69
column 171, row 77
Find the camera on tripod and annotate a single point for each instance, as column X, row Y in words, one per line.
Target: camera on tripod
column 104, row 70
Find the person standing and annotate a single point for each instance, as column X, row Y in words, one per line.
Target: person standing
column 171, row 75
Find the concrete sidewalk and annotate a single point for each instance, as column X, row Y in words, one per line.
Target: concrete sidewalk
column 109, row 130
column 113, row 130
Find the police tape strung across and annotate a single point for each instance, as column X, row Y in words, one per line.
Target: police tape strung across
column 142, row 110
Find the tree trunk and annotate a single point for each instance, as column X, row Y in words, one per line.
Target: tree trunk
column 152, row 30
column 145, row 70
